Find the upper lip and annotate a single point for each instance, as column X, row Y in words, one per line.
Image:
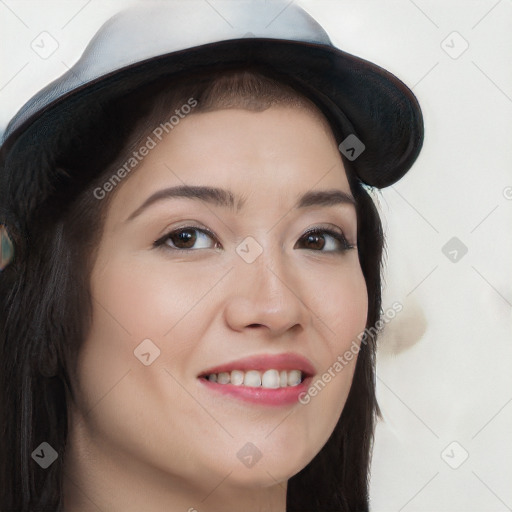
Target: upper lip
column 263, row 362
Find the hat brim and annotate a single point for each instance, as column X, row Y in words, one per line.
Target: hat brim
column 358, row 97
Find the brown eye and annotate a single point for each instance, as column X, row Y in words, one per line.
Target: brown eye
column 317, row 239
column 183, row 239
column 187, row 238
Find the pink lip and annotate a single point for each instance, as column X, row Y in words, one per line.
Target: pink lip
column 259, row 395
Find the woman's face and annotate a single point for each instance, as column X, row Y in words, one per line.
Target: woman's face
column 242, row 280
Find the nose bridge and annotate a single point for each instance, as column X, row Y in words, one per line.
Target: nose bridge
column 266, row 273
column 268, row 266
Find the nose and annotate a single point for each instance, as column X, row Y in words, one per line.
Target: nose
column 267, row 297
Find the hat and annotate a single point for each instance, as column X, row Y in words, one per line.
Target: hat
column 376, row 116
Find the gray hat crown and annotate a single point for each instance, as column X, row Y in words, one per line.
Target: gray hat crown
column 156, row 28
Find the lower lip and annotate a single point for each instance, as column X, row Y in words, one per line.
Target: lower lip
column 259, row 395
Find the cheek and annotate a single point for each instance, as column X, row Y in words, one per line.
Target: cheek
column 150, row 299
column 340, row 304
column 341, row 307
column 135, row 301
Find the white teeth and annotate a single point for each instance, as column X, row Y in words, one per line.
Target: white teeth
column 252, row 378
column 237, row 377
column 270, row 379
column 294, row 378
column 223, row 378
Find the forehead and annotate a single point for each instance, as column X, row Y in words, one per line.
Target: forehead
column 261, row 156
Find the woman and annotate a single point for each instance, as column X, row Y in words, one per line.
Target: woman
column 193, row 250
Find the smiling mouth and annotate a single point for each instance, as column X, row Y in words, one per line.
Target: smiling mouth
column 263, row 379
column 268, row 379
column 261, row 387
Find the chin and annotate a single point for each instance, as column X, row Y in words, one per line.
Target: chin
column 278, row 463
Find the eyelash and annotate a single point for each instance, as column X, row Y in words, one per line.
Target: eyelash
column 338, row 236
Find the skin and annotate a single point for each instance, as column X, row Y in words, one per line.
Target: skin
column 153, row 437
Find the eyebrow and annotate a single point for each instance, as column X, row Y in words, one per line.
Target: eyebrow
column 226, row 199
